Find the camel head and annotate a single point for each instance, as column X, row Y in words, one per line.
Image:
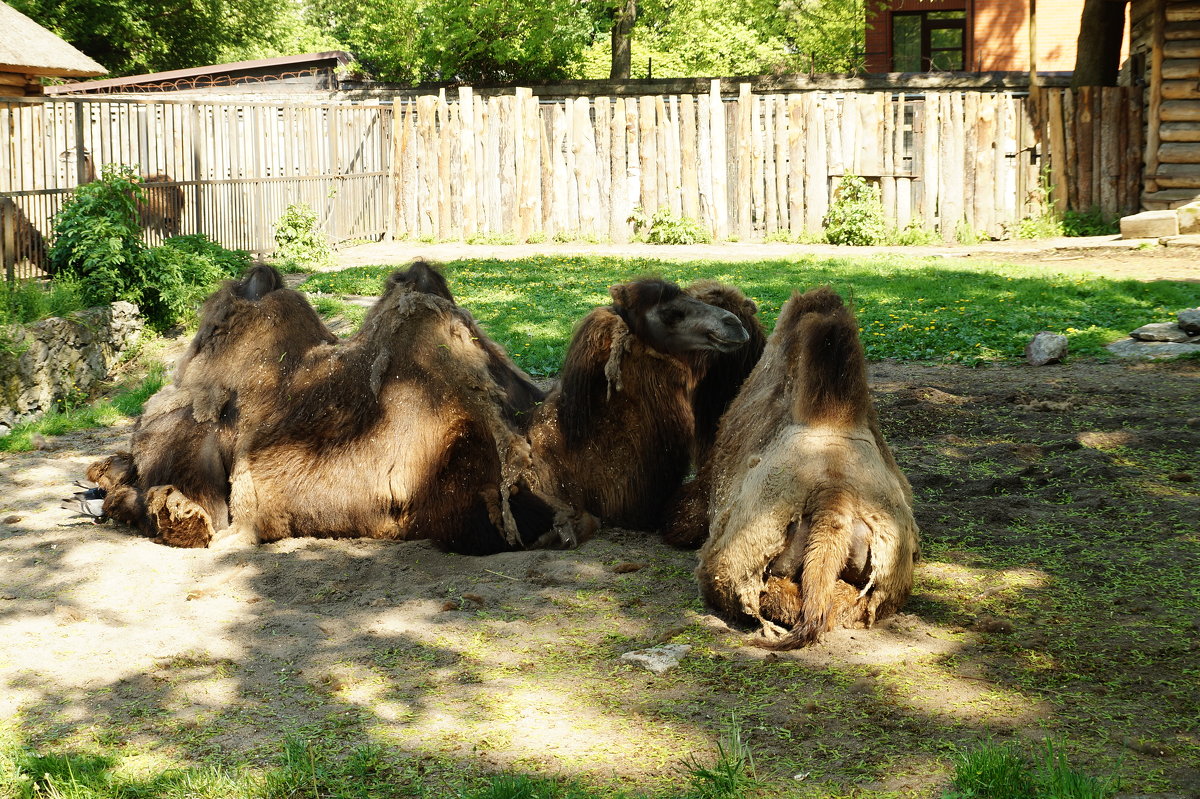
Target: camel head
column 663, row 316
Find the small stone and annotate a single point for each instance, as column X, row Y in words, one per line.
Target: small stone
column 1046, row 347
column 1161, row 331
column 11, row 519
column 627, row 568
column 658, row 659
column 1180, row 477
column 1189, row 320
column 476, row 598
column 449, row 605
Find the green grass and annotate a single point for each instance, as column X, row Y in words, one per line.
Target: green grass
column 31, row 300
column 916, row 309
column 310, row 769
column 995, row 771
column 125, row 403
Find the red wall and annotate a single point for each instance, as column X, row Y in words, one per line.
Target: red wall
column 1000, row 40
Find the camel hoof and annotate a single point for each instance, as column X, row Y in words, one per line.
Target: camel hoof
column 232, row 539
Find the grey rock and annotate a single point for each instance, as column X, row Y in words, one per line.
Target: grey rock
column 1046, row 347
column 1132, row 348
column 1189, row 320
column 60, row 358
column 1160, row 331
column 658, row 659
column 1150, row 225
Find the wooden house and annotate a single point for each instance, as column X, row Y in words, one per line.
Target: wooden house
column 970, row 35
column 1165, row 56
column 29, row 52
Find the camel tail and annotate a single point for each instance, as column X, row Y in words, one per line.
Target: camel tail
column 825, row 556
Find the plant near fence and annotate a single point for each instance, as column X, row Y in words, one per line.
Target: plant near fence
column 299, row 240
column 664, row 227
column 98, row 242
column 856, row 214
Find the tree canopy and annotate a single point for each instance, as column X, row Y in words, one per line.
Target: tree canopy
column 413, row 41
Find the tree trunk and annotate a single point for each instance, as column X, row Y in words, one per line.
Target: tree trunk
column 622, row 40
column 1101, row 30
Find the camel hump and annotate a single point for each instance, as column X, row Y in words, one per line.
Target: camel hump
column 424, row 277
column 827, row 359
column 258, row 282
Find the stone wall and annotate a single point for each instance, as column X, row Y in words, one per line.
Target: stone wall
column 58, row 358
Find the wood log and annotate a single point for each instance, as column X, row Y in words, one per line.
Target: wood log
column 745, row 166
column 764, row 167
column 816, row 175
column 689, row 181
column 648, row 155
column 427, row 170
column 603, row 126
column 887, row 183
column 704, row 166
column 633, row 167
column 620, row 209
column 1058, row 151
column 1085, row 153
column 782, row 152
column 796, row 139
column 719, row 161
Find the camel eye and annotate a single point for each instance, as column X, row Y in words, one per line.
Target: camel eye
column 670, row 316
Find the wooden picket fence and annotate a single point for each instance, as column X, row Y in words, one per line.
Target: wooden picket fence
column 746, row 166
column 234, row 167
column 756, row 165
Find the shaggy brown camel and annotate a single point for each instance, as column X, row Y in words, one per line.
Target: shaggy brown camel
column 616, row 432
column 411, row 429
column 174, row 481
column 811, row 519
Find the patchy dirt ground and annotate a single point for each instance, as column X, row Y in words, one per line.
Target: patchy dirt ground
column 1057, row 597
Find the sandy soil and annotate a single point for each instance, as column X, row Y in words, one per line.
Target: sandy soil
column 1058, row 508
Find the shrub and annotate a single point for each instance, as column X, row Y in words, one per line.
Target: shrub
column 666, row 228
column 97, row 242
column 97, row 238
column 298, row 238
column 856, row 215
column 1091, row 222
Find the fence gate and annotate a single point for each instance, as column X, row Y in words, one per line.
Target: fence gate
column 225, row 169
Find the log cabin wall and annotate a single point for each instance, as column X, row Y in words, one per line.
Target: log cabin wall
column 1166, row 50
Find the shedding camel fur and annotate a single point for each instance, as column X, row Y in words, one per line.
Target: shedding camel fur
column 810, row 518
column 616, row 433
column 174, row 481
column 411, row 429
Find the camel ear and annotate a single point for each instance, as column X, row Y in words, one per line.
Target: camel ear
column 620, row 294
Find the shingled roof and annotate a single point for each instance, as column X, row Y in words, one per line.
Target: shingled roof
column 29, row 49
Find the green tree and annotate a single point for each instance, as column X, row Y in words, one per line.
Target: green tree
column 826, row 35
column 135, row 36
column 384, row 35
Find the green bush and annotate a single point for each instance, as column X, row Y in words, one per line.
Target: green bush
column 98, row 243
column 1091, row 222
column 666, row 228
column 856, row 215
column 299, row 240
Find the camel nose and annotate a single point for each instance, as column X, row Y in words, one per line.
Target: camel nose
column 735, row 331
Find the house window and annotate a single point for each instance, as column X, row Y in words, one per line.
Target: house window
column 929, row 41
